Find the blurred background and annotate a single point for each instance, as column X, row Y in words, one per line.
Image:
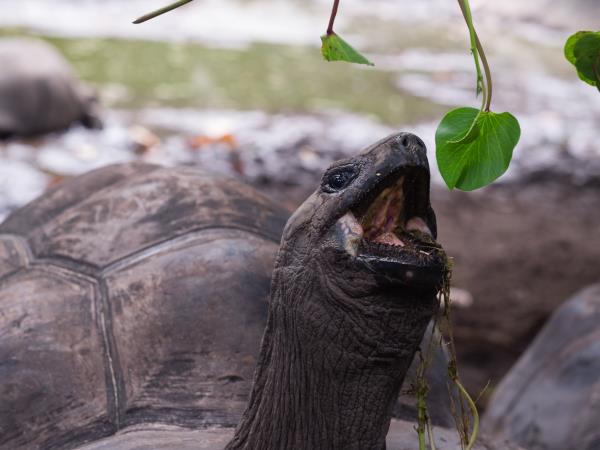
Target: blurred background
column 239, row 87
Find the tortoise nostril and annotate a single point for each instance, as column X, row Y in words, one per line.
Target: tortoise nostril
column 409, row 141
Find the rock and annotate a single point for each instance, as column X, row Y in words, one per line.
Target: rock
column 550, row 400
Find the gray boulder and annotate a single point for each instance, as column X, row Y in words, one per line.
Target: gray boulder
column 550, row 400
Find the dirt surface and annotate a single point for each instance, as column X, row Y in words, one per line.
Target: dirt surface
column 520, row 250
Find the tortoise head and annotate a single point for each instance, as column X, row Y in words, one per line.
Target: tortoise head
column 353, row 289
column 371, row 215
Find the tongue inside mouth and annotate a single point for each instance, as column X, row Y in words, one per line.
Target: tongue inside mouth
column 386, row 221
column 389, row 238
column 390, row 223
column 385, row 215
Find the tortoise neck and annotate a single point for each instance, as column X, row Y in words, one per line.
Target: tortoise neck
column 310, row 392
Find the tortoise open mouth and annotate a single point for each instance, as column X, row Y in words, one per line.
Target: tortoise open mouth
column 391, row 229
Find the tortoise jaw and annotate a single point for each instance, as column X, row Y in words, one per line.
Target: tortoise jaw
column 388, row 234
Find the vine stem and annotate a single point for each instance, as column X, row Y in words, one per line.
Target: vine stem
column 161, row 11
column 596, row 68
column 334, row 10
column 461, row 419
column 422, row 416
column 430, row 435
column 466, row 12
column 487, row 71
column 474, row 412
column 421, row 439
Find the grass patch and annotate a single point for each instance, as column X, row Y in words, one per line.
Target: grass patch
column 273, row 78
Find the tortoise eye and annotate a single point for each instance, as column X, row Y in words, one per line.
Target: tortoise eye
column 338, row 179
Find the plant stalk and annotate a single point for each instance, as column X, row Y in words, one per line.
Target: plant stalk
column 462, row 420
column 488, row 73
column 477, row 49
column 161, row 11
column 430, row 435
column 474, row 412
column 596, row 68
column 422, row 417
column 334, row 10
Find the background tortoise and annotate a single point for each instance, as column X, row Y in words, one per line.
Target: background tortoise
column 141, row 291
column 39, row 92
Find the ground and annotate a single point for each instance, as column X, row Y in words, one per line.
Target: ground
column 520, row 250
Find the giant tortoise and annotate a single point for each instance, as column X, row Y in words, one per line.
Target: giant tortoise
column 132, row 301
column 39, row 92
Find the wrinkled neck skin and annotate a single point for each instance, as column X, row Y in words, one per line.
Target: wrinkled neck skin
column 333, row 358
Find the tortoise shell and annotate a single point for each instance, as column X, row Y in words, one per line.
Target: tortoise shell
column 124, row 298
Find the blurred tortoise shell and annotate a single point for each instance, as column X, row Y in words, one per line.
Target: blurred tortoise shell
column 39, row 92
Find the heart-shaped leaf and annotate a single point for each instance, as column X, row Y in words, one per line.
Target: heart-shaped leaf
column 474, row 147
column 583, row 51
column 334, row 48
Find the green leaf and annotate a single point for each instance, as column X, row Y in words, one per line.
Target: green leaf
column 334, row 48
column 475, row 147
column 583, row 51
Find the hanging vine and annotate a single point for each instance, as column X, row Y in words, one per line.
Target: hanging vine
column 473, row 146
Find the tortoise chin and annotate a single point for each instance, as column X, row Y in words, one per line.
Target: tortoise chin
column 390, row 231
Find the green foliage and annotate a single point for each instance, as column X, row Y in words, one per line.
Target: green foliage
column 334, row 48
column 475, row 147
column 583, row 51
